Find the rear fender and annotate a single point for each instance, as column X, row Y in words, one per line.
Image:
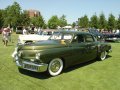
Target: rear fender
column 101, row 48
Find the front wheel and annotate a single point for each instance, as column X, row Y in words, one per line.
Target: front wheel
column 103, row 55
column 55, row 67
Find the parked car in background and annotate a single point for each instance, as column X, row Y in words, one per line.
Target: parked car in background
column 31, row 30
column 110, row 36
column 19, row 30
column 118, row 36
column 43, row 35
column 60, row 51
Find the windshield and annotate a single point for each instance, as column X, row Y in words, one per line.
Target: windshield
column 61, row 36
column 45, row 32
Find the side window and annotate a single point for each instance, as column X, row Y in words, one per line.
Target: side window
column 89, row 38
column 67, row 36
column 78, row 39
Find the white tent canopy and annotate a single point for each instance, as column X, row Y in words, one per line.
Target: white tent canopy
column 67, row 27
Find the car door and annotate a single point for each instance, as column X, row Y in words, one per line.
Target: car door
column 91, row 47
column 78, row 50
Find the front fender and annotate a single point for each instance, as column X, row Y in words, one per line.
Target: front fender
column 49, row 54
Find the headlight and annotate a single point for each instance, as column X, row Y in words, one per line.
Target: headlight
column 37, row 56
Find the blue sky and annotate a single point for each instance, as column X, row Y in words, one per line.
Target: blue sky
column 73, row 9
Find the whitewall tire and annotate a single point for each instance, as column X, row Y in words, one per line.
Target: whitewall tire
column 55, row 67
column 103, row 55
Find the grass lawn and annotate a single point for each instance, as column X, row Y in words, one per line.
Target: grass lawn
column 94, row 75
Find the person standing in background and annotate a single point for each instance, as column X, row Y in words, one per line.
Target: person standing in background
column 39, row 31
column 5, row 36
column 24, row 31
column 9, row 33
column 35, row 30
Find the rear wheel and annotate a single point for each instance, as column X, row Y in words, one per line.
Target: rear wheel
column 55, row 67
column 103, row 55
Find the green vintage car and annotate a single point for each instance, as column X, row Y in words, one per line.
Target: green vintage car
column 61, row 50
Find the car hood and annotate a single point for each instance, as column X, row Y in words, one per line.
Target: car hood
column 47, row 44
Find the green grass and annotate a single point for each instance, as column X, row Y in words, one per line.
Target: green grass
column 95, row 75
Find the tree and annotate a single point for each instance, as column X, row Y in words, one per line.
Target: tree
column 12, row 15
column 84, row 22
column 24, row 19
column 102, row 21
column 62, row 21
column 94, row 21
column 44, row 26
column 118, row 23
column 38, row 21
column 73, row 25
column 1, row 18
column 53, row 22
column 111, row 22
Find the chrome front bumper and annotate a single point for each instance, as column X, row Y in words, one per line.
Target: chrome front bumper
column 32, row 66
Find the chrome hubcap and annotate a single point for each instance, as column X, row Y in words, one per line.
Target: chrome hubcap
column 55, row 66
column 103, row 55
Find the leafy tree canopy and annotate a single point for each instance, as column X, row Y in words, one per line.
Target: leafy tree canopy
column 118, row 23
column 102, row 21
column 62, row 21
column 83, row 22
column 94, row 21
column 38, row 21
column 24, row 19
column 111, row 22
column 73, row 25
column 12, row 14
column 1, row 18
column 53, row 22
